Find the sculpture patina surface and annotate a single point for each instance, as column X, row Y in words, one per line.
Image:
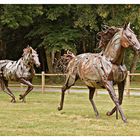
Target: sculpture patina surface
column 102, row 70
column 21, row 70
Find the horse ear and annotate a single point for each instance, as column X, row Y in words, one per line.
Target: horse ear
column 30, row 49
column 28, row 46
column 126, row 25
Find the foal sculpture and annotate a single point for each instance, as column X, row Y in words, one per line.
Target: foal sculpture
column 21, row 70
column 104, row 69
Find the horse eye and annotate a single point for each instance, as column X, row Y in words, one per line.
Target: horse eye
column 129, row 37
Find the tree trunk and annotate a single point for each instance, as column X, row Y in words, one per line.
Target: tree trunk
column 134, row 64
column 2, row 47
column 113, row 11
column 58, row 55
column 49, row 61
column 42, row 58
column 53, row 57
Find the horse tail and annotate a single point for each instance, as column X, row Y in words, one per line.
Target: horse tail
column 62, row 63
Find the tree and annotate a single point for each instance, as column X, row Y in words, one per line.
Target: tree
column 14, row 23
column 53, row 29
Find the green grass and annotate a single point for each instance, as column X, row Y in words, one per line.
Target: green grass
column 39, row 116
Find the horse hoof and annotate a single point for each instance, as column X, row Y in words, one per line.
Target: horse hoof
column 125, row 121
column 97, row 116
column 108, row 113
column 20, row 97
column 13, row 101
column 59, row 108
column 23, row 101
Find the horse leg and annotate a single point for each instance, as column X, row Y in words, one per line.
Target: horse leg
column 4, row 84
column 30, row 87
column 70, row 81
column 120, row 91
column 112, row 94
column 91, row 94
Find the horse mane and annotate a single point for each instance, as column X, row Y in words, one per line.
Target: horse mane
column 106, row 35
column 62, row 63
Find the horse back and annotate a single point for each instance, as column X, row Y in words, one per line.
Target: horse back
column 3, row 64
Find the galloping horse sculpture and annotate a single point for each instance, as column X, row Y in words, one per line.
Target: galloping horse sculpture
column 21, row 70
column 103, row 69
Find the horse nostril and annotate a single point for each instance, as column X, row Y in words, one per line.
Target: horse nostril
column 138, row 50
column 38, row 65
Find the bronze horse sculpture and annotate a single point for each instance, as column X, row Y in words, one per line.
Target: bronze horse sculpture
column 104, row 69
column 21, row 70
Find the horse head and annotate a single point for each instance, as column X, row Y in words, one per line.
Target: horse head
column 129, row 39
column 31, row 55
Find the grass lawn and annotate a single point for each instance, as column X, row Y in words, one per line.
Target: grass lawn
column 39, row 116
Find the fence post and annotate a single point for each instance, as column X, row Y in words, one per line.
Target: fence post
column 43, row 81
column 128, row 83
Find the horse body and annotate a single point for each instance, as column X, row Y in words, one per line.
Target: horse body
column 103, row 69
column 14, row 70
column 21, row 70
column 93, row 68
column 86, row 66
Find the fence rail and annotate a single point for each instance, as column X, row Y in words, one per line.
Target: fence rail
column 43, row 85
column 128, row 82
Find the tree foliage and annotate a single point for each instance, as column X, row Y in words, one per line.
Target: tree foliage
column 14, row 16
column 63, row 27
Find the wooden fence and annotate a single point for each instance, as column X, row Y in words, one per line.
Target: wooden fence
column 43, row 85
column 43, row 75
column 128, row 87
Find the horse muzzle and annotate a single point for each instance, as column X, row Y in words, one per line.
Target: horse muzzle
column 138, row 51
column 38, row 65
column 137, row 48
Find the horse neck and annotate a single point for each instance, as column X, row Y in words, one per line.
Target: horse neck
column 114, row 52
column 26, row 61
